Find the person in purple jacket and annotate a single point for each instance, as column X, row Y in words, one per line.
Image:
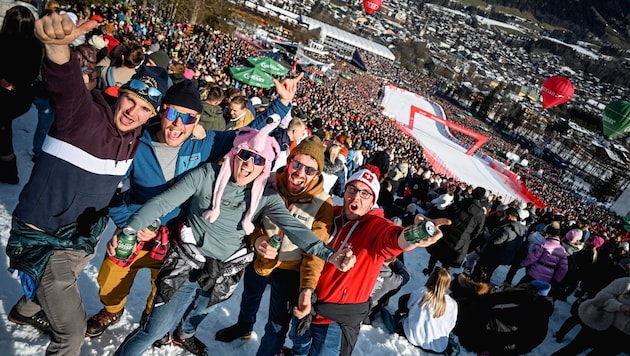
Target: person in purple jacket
column 548, row 260
column 62, row 210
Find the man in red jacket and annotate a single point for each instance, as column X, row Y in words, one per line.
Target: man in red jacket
column 342, row 298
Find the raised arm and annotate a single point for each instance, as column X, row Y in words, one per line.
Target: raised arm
column 56, row 32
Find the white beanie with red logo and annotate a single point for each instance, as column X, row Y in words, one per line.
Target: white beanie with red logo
column 369, row 175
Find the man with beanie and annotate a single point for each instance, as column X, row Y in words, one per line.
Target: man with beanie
column 62, row 210
column 291, row 273
column 223, row 203
column 159, row 58
column 167, row 151
column 343, row 298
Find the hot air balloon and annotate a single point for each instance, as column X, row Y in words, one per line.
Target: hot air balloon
column 616, row 119
column 371, row 6
column 556, row 90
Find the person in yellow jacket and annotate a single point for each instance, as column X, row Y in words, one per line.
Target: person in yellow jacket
column 240, row 115
column 291, row 273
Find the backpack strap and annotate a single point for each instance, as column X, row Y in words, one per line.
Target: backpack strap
column 110, row 77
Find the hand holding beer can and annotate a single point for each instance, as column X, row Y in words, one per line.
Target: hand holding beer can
column 275, row 241
column 155, row 225
column 420, row 232
column 126, row 243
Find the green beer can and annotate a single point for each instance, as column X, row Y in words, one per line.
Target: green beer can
column 420, row 232
column 126, row 243
column 275, row 241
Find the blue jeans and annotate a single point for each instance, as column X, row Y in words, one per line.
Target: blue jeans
column 301, row 344
column 253, row 288
column 164, row 317
column 326, row 339
column 285, row 286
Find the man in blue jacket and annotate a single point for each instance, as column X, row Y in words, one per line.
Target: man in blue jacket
column 62, row 210
column 168, row 150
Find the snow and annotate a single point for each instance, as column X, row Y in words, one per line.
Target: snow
column 24, row 340
column 397, row 102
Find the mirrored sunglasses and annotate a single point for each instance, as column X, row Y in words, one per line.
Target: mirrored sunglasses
column 144, row 89
column 172, row 114
column 245, row 155
column 297, row 165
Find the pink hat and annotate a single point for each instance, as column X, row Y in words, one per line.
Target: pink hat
column 573, row 236
column 598, row 241
column 189, row 73
column 261, row 143
column 368, row 175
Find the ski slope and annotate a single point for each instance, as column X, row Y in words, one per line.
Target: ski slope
column 433, row 137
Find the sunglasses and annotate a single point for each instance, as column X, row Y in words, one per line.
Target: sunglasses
column 297, row 165
column 245, row 155
column 144, row 89
column 172, row 114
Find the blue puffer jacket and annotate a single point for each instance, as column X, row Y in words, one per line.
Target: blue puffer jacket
column 547, row 261
column 145, row 175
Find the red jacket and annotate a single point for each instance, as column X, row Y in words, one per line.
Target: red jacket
column 373, row 239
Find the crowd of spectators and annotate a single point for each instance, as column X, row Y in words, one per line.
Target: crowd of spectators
column 346, row 110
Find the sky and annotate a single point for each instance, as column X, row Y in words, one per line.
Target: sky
column 24, row 340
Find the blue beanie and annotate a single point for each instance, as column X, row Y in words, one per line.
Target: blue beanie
column 151, row 77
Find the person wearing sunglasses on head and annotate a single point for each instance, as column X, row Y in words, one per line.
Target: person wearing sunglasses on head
column 291, row 273
column 224, row 202
column 331, row 325
column 169, row 148
column 62, row 210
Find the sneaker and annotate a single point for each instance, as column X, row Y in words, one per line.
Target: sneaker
column 39, row 321
column 165, row 340
column 190, row 344
column 99, row 322
column 232, row 333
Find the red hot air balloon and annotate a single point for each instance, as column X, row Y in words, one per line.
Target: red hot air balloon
column 556, row 90
column 371, row 6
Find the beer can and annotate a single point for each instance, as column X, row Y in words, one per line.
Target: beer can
column 126, row 243
column 155, row 225
column 420, row 232
column 275, row 241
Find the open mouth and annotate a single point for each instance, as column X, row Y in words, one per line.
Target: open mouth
column 174, row 134
column 245, row 172
column 126, row 120
column 297, row 180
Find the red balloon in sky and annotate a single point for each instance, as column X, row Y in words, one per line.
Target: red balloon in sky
column 556, row 90
column 371, row 6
